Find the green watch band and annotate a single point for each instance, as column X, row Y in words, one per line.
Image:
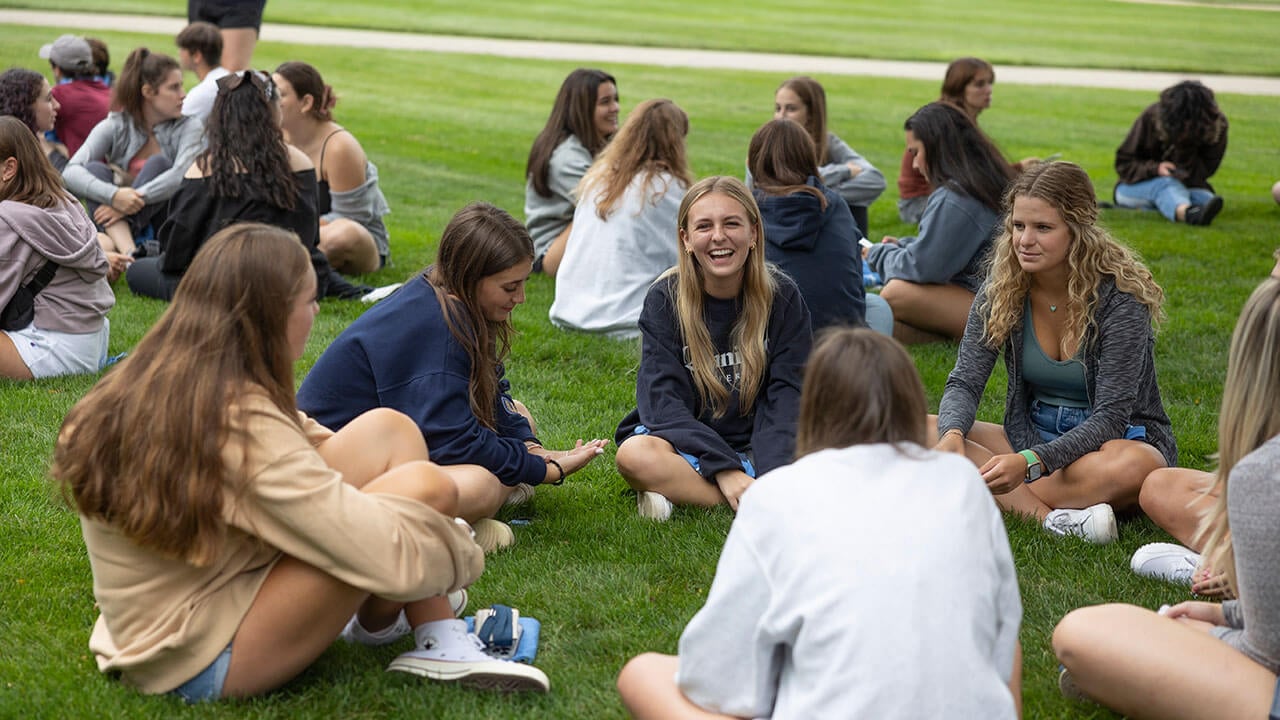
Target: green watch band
column 1034, row 467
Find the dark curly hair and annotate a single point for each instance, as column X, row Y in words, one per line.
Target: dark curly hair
column 1188, row 114
column 19, row 88
column 246, row 154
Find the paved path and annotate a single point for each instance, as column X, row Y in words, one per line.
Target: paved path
column 668, row 57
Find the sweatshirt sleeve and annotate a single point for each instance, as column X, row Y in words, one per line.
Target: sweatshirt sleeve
column 391, row 546
column 97, row 146
column 1124, row 329
column 860, row 190
column 666, row 398
column 950, row 235
column 511, row 424
column 568, row 164
column 187, row 140
column 968, row 379
column 1138, row 157
column 778, row 407
column 731, row 625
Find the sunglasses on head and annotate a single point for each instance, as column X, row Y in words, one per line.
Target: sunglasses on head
column 256, row 78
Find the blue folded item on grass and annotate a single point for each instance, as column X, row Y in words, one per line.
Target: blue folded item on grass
column 526, row 648
column 870, row 278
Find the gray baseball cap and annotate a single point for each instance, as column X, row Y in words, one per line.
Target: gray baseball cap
column 69, row 52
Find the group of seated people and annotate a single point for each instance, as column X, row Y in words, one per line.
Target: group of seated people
column 288, row 520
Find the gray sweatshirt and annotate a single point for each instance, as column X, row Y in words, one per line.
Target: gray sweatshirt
column 1253, row 621
column 955, row 233
column 117, row 139
column 547, row 217
column 1120, row 376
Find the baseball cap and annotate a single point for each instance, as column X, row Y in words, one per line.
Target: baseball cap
column 69, row 52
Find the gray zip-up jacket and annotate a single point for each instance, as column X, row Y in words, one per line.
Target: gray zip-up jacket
column 1120, row 376
column 117, row 139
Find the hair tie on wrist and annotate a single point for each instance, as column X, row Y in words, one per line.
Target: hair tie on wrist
column 551, row 461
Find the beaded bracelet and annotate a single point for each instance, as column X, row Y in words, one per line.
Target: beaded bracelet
column 551, row 461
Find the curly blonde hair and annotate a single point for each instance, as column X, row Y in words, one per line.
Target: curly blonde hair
column 1093, row 252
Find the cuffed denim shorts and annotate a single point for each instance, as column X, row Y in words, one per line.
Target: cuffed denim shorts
column 745, row 458
column 207, row 684
column 1053, row 421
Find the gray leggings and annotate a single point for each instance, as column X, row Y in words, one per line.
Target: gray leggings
column 152, row 214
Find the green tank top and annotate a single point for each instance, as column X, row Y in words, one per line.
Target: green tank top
column 1053, row 382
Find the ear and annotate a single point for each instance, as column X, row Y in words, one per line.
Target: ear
column 148, row 91
column 306, row 102
column 8, row 169
column 684, row 240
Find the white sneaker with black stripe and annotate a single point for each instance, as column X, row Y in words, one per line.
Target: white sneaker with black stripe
column 1096, row 523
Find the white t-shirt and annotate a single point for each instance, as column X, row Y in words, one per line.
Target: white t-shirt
column 609, row 265
column 199, row 100
column 863, row 582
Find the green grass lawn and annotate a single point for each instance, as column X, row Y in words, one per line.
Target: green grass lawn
column 448, row 129
column 1095, row 33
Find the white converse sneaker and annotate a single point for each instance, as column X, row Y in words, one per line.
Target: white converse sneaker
column 1096, row 523
column 654, row 506
column 458, row 602
column 1165, row 561
column 449, row 653
column 355, row 633
column 493, row 535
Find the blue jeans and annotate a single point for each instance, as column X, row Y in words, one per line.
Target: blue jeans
column 207, row 685
column 1162, row 193
column 1053, row 421
column 744, row 458
column 878, row 314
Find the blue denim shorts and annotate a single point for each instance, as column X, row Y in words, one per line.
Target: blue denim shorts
column 744, row 458
column 1053, row 421
column 207, row 684
column 1275, row 703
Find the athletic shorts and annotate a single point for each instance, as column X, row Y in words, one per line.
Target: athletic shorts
column 49, row 353
column 227, row 13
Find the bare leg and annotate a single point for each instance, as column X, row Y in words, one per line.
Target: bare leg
column 1174, row 498
column 480, row 492
column 648, row 689
column 120, row 237
column 934, row 309
column 1112, row 474
column 11, row 364
column 237, row 48
column 649, row 463
column 1015, row 679
column 1147, row 666
column 555, row 253
column 349, row 247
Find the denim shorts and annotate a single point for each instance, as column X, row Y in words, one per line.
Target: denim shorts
column 743, row 457
column 1053, row 421
column 207, row 684
column 1275, row 703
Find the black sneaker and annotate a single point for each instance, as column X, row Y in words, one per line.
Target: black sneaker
column 1204, row 214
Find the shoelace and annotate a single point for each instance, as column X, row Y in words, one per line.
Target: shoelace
column 1063, row 523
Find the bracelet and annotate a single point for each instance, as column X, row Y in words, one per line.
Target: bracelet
column 953, row 430
column 551, row 461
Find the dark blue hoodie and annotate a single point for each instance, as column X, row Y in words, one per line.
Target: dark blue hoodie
column 819, row 249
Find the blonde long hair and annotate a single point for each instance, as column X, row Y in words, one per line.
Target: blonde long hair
column 1250, row 414
column 756, row 297
column 650, row 142
column 1093, row 253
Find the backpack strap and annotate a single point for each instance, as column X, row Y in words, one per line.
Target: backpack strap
column 42, row 278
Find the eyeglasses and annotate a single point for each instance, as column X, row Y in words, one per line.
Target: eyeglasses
column 256, row 78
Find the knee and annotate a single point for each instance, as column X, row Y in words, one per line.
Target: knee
column 894, row 293
column 1153, row 496
column 634, row 456
column 637, row 677
column 437, row 490
column 394, row 430
column 1072, row 634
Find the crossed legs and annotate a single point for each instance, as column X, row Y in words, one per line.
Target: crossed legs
column 927, row 312
column 649, row 463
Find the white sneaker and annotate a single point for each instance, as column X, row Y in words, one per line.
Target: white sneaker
column 458, row 602
column 520, row 495
column 452, row 654
column 1096, row 523
column 654, row 506
column 355, row 633
column 1165, row 561
column 493, row 535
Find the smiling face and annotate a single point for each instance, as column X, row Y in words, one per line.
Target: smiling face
column 45, row 108
column 606, row 114
column 787, row 104
column 498, row 294
column 977, row 94
column 916, row 148
column 1041, row 238
column 302, row 315
column 718, row 234
column 165, row 99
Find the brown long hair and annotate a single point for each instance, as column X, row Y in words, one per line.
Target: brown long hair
column 859, row 387
column 36, row 182
column 572, row 114
column 481, row 240
column 141, row 68
column 145, row 450
column 781, row 158
column 650, row 142
column 960, row 73
column 1093, row 252
column 814, row 98
column 756, row 298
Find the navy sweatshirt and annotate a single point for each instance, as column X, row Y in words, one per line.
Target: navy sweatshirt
column 400, row 354
column 819, row 249
column 667, row 401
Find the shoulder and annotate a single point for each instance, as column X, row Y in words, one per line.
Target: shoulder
column 298, row 160
column 786, row 294
column 343, row 147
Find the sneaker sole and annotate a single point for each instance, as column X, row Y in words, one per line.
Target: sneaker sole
column 1211, row 210
column 509, row 677
column 1110, row 531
